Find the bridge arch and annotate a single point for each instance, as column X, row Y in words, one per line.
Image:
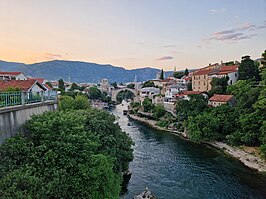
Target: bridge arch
column 116, row 91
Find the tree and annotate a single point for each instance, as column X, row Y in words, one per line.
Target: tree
column 162, row 74
column 66, row 103
column 218, row 85
column 248, row 69
column 158, row 111
column 229, row 63
column 78, row 102
column 124, row 95
column 185, row 108
column 69, row 154
column 114, row 84
column 245, row 93
column 74, row 86
column 264, row 59
column 132, row 86
column 147, row 104
column 189, row 86
column 186, row 72
column 61, row 84
column 81, row 102
column 178, row 75
column 148, row 84
column 94, row 93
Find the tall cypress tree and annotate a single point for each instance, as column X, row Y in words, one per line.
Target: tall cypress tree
column 186, row 72
column 162, row 74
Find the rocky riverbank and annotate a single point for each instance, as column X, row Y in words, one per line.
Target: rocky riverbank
column 249, row 159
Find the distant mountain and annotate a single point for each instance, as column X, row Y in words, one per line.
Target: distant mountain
column 80, row 71
column 9, row 66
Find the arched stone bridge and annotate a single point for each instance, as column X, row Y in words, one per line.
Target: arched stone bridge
column 116, row 91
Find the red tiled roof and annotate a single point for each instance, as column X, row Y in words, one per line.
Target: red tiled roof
column 187, row 78
column 229, row 68
column 191, row 92
column 203, row 72
column 221, row 98
column 39, row 79
column 47, row 86
column 9, row 73
column 24, row 85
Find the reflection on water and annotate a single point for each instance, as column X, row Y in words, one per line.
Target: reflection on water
column 173, row 168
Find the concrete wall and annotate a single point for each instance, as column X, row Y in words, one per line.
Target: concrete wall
column 13, row 118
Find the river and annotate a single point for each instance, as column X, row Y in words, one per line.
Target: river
column 174, row 168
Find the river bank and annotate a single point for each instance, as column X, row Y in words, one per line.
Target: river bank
column 247, row 158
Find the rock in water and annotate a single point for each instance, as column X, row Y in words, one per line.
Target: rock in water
column 145, row 194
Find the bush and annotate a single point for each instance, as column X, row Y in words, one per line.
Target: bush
column 263, row 150
column 158, row 111
column 69, row 154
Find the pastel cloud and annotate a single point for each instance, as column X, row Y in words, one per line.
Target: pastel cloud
column 52, row 56
column 165, row 58
column 235, row 34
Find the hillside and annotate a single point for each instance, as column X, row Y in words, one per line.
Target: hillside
column 80, row 71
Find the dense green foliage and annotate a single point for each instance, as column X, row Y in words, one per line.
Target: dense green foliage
column 75, row 86
column 178, row 75
column 189, row 86
column 69, row 154
column 61, row 84
column 125, row 95
column 243, row 124
column 185, row 108
column 94, row 93
column 263, row 55
column 147, row 104
column 248, row 69
column 218, row 85
column 148, row 84
column 132, row 86
column 114, row 84
column 70, row 103
column 158, row 111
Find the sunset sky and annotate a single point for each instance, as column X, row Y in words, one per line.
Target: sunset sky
column 132, row 33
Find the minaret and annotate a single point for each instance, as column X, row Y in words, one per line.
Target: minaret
column 174, row 69
column 135, row 79
column 69, row 79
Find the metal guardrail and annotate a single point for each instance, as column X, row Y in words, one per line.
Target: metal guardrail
column 17, row 98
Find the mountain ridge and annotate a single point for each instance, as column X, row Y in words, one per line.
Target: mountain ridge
column 80, row 71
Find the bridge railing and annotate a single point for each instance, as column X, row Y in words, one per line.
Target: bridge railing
column 16, row 98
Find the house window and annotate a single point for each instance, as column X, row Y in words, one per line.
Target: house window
column 231, row 82
column 235, row 74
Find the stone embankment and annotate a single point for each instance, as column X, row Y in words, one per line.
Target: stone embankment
column 249, row 159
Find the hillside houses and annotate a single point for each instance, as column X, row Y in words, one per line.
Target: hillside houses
column 12, row 76
column 28, row 85
column 18, row 80
column 217, row 100
column 201, row 79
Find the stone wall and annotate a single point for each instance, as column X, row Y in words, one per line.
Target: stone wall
column 13, row 118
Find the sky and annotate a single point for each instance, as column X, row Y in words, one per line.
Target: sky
column 132, row 33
